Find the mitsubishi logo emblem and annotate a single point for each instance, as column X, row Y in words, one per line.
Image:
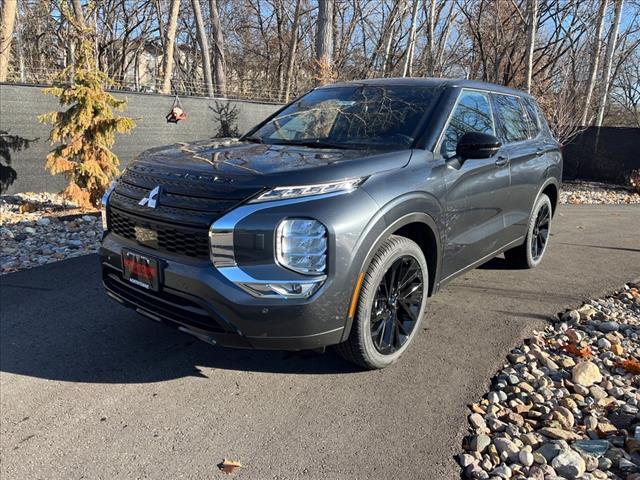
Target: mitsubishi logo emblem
column 151, row 200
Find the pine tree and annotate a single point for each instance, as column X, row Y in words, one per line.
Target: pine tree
column 86, row 130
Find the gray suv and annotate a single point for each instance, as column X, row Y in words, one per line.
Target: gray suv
column 334, row 220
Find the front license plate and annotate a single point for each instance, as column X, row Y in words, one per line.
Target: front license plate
column 141, row 270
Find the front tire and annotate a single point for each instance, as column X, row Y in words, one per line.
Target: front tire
column 530, row 253
column 391, row 305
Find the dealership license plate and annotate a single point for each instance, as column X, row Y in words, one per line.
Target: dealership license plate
column 141, row 270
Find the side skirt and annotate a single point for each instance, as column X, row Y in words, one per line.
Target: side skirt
column 477, row 263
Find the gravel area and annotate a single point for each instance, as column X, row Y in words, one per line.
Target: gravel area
column 565, row 405
column 39, row 228
column 593, row 193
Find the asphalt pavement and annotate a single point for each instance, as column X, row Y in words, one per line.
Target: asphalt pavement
column 89, row 389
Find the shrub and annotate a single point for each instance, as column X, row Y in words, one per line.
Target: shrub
column 86, row 130
column 634, row 180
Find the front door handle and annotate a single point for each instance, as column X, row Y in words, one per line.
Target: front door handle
column 502, row 160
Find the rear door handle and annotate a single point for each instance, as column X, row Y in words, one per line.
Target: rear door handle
column 502, row 160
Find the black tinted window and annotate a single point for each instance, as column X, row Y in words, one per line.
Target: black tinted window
column 532, row 117
column 471, row 114
column 513, row 125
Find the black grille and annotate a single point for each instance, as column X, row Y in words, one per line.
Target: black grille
column 187, row 205
column 192, row 242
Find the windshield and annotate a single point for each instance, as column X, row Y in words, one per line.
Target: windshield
column 358, row 116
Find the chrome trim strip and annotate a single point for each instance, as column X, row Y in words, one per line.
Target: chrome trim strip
column 221, row 231
column 242, row 279
column 222, row 248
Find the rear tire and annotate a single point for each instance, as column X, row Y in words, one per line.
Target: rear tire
column 530, row 253
column 390, row 307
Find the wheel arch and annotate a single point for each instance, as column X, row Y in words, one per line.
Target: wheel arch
column 410, row 221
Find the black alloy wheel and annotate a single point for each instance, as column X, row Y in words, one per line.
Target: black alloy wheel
column 540, row 232
column 397, row 305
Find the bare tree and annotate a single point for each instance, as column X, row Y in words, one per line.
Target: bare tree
column 408, row 62
column 204, row 46
column 532, row 23
column 595, row 59
column 6, row 35
column 324, row 40
column 218, row 49
column 293, row 46
column 169, row 44
column 608, row 60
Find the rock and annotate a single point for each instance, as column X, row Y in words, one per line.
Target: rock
column 29, row 230
column 590, row 422
column 609, row 326
column 604, row 343
column 479, row 443
column 477, row 422
column 465, row 460
column 586, row 374
column 44, row 221
column 549, row 451
column 571, row 316
column 595, row 448
column 559, row 434
column 617, row 349
column 502, row 471
column 504, row 445
column 597, row 392
column 526, row 457
column 569, row 464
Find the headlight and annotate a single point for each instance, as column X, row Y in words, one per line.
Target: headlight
column 301, row 245
column 281, row 193
column 104, row 201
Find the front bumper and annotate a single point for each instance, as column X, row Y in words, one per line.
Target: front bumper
column 196, row 299
column 209, row 303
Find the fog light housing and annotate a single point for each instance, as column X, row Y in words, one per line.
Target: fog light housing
column 301, row 245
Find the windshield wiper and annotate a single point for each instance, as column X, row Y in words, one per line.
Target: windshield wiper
column 314, row 144
column 253, row 139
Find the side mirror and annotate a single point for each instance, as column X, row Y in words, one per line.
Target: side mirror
column 477, row 145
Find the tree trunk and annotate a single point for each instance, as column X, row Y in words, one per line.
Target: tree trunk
column 6, row 35
column 204, row 47
column 218, row 49
column 608, row 60
column 595, row 59
column 324, row 41
column 408, row 61
column 292, row 50
column 532, row 24
column 77, row 11
column 169, row 44
column 431, row 33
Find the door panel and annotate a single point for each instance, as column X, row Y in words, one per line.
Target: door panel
column 475, row 203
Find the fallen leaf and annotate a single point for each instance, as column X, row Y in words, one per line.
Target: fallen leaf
column 631, row 365
column 584, row 352
column 229, row 466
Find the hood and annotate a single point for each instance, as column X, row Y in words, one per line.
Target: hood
column 272, row 165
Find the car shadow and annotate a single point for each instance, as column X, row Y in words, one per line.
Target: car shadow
column 57, row 323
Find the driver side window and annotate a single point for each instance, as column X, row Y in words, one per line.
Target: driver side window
column 472, row 113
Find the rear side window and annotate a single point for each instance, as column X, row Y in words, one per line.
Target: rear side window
column 513, row 125
column 532, row 116
column 472, row 113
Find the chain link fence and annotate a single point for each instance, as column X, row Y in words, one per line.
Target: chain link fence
column 251, row 89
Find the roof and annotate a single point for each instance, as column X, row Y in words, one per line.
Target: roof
column 431, row 82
